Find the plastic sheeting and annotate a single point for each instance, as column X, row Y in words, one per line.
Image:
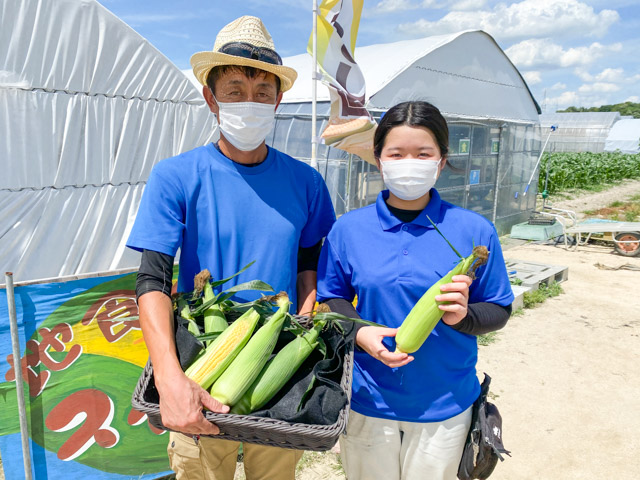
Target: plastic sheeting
column 87, row 107
column 578, row 131
column 624, row 136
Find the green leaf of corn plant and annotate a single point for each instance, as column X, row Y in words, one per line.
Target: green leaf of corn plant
column 256, row 285
column 445, row 238
column 333, row 316
column 217, row 283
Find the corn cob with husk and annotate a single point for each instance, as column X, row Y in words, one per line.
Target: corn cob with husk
column 223, row 350
column 425, row 314
column 278, row 371
column 214, row 319
column 246, row 367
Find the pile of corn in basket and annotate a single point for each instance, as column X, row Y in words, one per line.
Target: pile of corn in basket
column 287, row 378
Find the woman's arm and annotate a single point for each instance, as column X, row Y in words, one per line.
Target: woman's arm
column 483, row 318
column 366, row 337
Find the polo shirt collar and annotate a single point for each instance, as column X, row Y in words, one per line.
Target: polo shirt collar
column 388, row 221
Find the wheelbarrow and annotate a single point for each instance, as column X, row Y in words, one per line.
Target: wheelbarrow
column 624, row 235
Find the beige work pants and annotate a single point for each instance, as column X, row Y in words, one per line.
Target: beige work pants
column 215, row 459
column 380, row 449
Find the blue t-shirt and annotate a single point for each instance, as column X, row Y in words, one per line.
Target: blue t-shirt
column 389, row 265
column 223, row 215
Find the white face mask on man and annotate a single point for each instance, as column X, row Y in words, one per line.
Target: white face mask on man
column 246, row 124
column 408, row 178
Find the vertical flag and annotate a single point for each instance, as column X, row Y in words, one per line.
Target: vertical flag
column 351, row 127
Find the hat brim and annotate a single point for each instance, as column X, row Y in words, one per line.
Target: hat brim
column 203, row 62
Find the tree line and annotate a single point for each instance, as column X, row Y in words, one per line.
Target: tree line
column 626, row 108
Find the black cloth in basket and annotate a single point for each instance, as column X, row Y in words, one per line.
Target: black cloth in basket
column 315, row 426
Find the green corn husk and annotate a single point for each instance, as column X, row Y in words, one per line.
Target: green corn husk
column 425, row 314
column 246, row 367
column 214, row 318
column 278, row 371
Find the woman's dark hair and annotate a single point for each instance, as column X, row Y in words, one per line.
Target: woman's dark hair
column 413, row 114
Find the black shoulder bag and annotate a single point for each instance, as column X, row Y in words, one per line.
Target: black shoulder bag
column 484, row 442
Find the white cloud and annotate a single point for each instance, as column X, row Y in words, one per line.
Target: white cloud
column 558, row 86
column 532, row 77
column 633, row 98
column 184, row 36
column 526, row 19
column 598, row 87
column 565, row 99
column 387, row 6
column 467, row 5
column 615, row 76
column 544, row 53
column 576, row 99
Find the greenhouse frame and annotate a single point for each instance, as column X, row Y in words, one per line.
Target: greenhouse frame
column 493, row 123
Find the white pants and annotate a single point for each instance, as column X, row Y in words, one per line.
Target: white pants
column 375, row 448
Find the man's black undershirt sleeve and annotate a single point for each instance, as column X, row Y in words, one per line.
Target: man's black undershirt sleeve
column 155, row 273
column 308, row 257
column 156, row 269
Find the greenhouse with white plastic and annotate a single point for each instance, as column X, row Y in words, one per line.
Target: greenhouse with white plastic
column 577, row 131
column 492, row 116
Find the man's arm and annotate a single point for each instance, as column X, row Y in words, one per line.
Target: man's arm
column 306, row 282
column 306, row 286
column 181, row 399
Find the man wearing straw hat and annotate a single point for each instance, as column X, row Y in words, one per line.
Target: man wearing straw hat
column 224, row 205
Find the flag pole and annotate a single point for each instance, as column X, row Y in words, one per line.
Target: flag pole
column 314, row 85
column 15, row 344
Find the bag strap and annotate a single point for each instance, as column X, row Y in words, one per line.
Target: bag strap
column 484, row 388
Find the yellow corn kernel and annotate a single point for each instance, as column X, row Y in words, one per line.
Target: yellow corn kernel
column 221, row 352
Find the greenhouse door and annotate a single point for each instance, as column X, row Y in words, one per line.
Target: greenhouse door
column 469, row 180
column 481, row 172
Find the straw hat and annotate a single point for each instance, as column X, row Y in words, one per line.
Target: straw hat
column 244, row 30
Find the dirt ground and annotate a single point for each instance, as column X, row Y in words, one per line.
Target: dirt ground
column 565, row 374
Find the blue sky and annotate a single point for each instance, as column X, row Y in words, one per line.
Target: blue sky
column 571, row 52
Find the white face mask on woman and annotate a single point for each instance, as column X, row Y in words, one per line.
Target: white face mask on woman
column 246, row 124
column 408, row 178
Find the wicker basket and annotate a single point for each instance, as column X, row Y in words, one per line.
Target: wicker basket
column 253, row 429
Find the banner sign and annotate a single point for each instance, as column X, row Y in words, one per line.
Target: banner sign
column 82, row 353
column 350, row 125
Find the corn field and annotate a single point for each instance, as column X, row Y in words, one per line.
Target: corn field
column 586, row 170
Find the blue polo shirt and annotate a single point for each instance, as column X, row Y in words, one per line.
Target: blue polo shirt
column 223, row 215
column 389, row 265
